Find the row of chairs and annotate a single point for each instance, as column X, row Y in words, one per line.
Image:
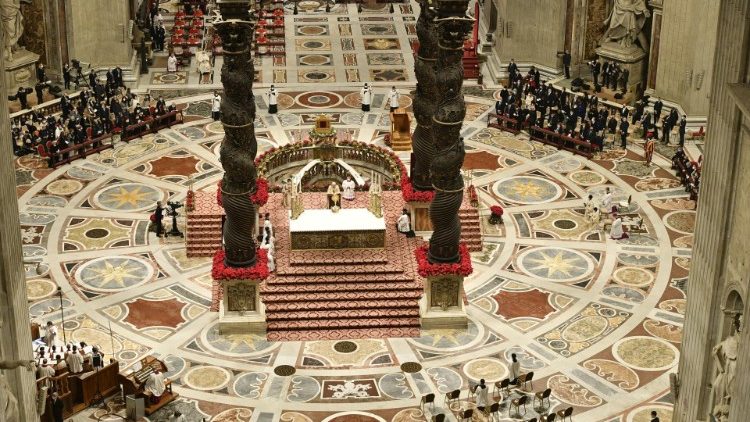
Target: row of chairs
column 494, row 409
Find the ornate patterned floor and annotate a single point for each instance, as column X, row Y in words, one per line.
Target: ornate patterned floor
column 598, row 321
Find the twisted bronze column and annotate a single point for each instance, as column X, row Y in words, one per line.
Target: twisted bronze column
column 239, row 147
column 425, row 100
column 453, row 27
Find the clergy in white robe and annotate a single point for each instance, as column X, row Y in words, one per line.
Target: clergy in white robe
column 348, row 186
column 155, row 385
column 617, row 232
column 403, row 224
column 334, row 196
column 50, row 334
column 74, row 361
column 366, row 94
column 607, row 201
column 393, row 99
column 45, row 371
column 588, row 206
column 515, row 369
column 481, row 391
column 172, row 63
column 273, row 100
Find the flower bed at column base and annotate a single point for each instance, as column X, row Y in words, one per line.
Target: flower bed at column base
column 236, row 295
column 442, row 305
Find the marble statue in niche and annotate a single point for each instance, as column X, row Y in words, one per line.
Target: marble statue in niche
column 725, row 357
column 12, row 20
column 625, row 23
column 8, row 401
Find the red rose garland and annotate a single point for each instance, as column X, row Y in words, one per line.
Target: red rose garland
column 259, row 271
column 497, row 210
column 427, row 269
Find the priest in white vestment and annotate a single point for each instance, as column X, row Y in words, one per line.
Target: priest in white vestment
column 366, row 94
column 155, row 385
column 172, row 63
column 74, row 361
column 50, row 334
column 617, row 232
column 334, row 196
column 403, row 224
column 46, row 371
column 348, row 186
column 607, row 201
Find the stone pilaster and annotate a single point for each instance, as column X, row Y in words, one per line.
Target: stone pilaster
column 15, row 343
column 707, row 283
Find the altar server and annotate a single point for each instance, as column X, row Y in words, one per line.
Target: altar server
column 348, row 186
column 216, row 106
column 45, row 371
column 50, row 334
column 272, row 100
column 74, row 361
column 172, row 63
column 155, row 385
column 366, row 94
column 606, row 200
column 393, row 99
column 617, row 232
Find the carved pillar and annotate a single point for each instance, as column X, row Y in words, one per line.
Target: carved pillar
column 14, row 307
column 239, row 146
column 453, row 27
column 653, row 58
column 425, row 101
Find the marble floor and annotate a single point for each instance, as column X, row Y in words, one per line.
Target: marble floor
column 598, row 321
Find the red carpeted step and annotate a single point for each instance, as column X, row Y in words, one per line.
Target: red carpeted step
column 334, row 324
column 339, row 314
column 349, row 295
column 282, row 307
column 335, row 287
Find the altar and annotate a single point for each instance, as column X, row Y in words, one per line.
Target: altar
column 349, row 228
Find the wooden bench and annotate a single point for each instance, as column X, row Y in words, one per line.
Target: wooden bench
column 505, row 123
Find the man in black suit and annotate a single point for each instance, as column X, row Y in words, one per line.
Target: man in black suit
column 566, row 64
column 654, row 417
column 66, row 75
column 21, row 96
column 624, row 78
column 605, row 74
column 624, row 126
column 41, row 75
column 57, row 408
column 683, row 127
column 658, row 105
column 596, row 68
column 512, row 69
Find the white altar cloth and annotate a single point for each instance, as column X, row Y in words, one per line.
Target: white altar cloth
column 359, row 219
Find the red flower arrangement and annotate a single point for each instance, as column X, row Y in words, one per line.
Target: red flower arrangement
column 408, row 192
column 259, row 198
column 427, row 269
column 259, row 271
column 497, row 210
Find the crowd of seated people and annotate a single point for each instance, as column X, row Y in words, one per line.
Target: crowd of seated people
column 688, row 171
column 105, row 109
column 529, row 102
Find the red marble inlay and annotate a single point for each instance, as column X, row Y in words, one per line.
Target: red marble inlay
column 174, row 166
column 532, row 303
column 481, row 160
column 144, row 313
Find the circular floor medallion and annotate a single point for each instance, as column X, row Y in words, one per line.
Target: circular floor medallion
column 319, row 99
column 345, row 346
column 40, row 288
column 645, row 353
column 411, row 367
column 130, row 197
column 64, row 187
column 528, row 190
column 555, row 264
column 113, row 273
column 633, row 276
column 206, row 378
column 488, row 369
column 284, row 370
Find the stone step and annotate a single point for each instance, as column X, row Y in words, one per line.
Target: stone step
column 340, row 304
column 334, row 314
column 343, row 334
column 203, row 235
column 332, row 324
column 337, row 270
column 337, row 296
column 323, row 278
